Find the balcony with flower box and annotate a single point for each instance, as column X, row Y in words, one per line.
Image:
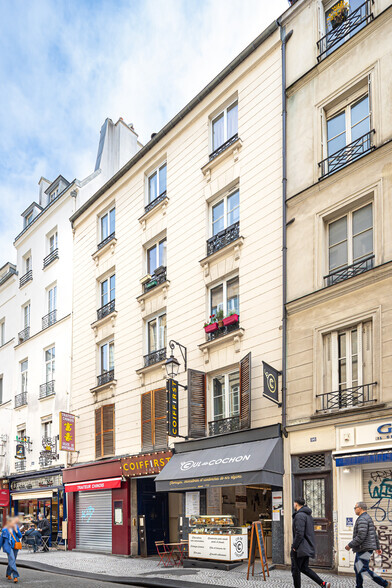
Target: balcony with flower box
column 220, row 330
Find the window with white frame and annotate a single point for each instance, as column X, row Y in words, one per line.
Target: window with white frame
column 108, row 223
column 52, row 299
column 28, row 263
column 106, row 356
column 225, row 212
column 53, row 194
column 224, row 126
column 52, row 241
column 156, row 333
column 50, row 364
column 341, row 22
column 26, row 315
column 2, row 332
column 46, row 427
column 225, row 395
column 29, row 219
column 156, row 256
column 108, row 290
column 1, row 389
column 348, row 125
column 21, row 432
column 224, row 298
column 24, row 369
column 156, row 183
column 350, row 238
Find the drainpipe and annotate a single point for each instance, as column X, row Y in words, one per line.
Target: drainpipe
column 284, row 38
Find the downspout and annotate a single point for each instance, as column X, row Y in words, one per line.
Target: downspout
column 285, row 38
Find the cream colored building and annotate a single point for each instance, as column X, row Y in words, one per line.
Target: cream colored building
column 339, row 306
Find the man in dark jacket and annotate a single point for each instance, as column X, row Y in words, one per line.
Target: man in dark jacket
column 33, row 537
column 364, row 542
column 44, row 529
column 303, row 544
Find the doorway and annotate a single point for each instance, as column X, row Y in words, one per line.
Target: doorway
column 155, row 507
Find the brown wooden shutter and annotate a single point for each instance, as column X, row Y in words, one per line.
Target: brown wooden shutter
column 98, row 433
column 160, row 418
column 147, row 424
column 108, row 429
column 197, row 406
column 245, row 391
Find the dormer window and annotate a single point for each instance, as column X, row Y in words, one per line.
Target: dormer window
column 53, row 194
column 28, row 219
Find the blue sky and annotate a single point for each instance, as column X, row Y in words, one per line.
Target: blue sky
column 66, row 65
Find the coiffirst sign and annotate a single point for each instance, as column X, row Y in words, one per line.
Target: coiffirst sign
column 146, row 464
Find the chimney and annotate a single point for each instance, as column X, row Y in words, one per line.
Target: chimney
column 117, row 144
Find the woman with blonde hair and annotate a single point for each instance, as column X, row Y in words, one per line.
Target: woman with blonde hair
column 11, row 542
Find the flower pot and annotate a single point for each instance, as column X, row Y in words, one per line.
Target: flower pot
column 211, row 328
column 339, row 19
column 220, row 324
column 231, row 320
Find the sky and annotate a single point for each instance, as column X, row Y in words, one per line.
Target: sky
column 67, row 65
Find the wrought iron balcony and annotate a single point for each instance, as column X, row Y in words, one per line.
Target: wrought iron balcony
column 356, row 20
column 154, row 357
column 24, row 335
column 106, row 309
column 155, row 202
column 21, row 399
column 346, row 155
column 157, row 278
column 51, row 257
column 344, row 273
column 49, row 319
column 46, row 389
column 224, row 146
column 224, row 426
column 355, row 397
column 222, row 331
column 105, row 377
column 20, row 465
column 223, row 238
column 26, row 278
column 107, row 240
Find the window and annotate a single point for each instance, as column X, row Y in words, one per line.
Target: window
column 104, row 431
column 154, row 420
column 24, row 368
column 340, row 28
column 46, row 426
column 53, row 242
column 224, row 299
column 225, row 213
column 1, row 389
column 53, row 194
column 26, row 316
column 2, row 332
column 108, row 222
column 226, row 396
column 21, row 433
column 28, row 219
column 28, row 264
column 52, row 299
column 156, row 256
column 108, row 290
column 107, row 357
column 224, row 126
column 50, row 355
column 156, row 328
column 348, row 125
column 157, row 183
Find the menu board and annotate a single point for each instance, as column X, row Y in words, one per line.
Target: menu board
column 192, row 504
column 218, row 547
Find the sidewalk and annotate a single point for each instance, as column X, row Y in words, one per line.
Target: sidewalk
column 145, row 569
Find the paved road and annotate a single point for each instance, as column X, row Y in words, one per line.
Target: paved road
column 47, row 580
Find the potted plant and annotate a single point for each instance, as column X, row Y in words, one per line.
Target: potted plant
column 338, row 14
column 231, row 318
column 212, row 325
column 219, row 317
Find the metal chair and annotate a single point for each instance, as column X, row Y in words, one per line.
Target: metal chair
column 165, row 557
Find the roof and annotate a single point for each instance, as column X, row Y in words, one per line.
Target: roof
column 55, row 183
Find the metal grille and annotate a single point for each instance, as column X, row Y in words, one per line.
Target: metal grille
column 357, row 396
column 23, row 335
column 106, row 309
column 20, row 399
column 222, row 426
column 314, row 495
column 49, row 319
column 107, row 240
column 223, row 238
column 224, row 146
column 94, row 520
column 339, row 275
column 46, row 389
column 105, row 377
column 26, row 278
column 20, row 465
column 156, row 280
column 222, row 331
column 154, row 357
column 313, row 460
column 155, row 202
column 347, row 154
column 51, row 257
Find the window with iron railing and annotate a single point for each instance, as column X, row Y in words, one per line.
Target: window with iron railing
column 107, row 225
column 156, row 187
column 224, row 129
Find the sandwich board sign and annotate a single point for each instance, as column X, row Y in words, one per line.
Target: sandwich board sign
column 257, row 542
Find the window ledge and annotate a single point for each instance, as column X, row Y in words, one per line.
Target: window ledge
column 162, row 205
column 111, row 317
column 141, row 372
column 233, row 247
column 232, row 149
column 110, row 246
column 107, row 386
column 160, row 289
column 233, row 337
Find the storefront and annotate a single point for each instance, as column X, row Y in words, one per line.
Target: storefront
column 228, row 482
column 4, row 501
column 39, row 493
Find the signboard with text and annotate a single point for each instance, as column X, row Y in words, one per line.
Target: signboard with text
column 67, row 431
column 146, row 464
column 270, row 383
column 172, row 407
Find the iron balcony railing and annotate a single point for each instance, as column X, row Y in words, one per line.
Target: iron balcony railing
column 154, row 357
column 49, row 319
column 106, row 309
column 347, row 398
column 155, row 202
column 20, row 465
column 26, row 278
column 21, row 399
column 344, row 273
column 24, row 335
column 46, row 389
column 156, row 279
column 223, row 238
column 106, row 240
column 224, row 146
column 222, row 331
column 106, row 377
column 346, row 155
column 51, row 257
column 356, row 20
column 222, row 426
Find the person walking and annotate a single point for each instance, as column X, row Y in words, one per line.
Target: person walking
column 364, row 542
column 44, row 529
column 10, row 541
column 303, row 546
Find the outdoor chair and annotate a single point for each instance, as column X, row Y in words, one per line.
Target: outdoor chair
column 165, row 557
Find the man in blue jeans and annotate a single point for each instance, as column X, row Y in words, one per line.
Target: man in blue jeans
column 364, row 542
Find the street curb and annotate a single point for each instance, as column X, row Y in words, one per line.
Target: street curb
column 127, row 580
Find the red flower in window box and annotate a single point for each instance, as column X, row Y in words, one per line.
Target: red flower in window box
column 212, row 325
column 231, row 320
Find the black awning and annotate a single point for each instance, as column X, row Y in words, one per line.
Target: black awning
column 256, row 462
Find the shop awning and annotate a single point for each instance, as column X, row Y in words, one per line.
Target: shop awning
column 32, row 495
column 256, row 462
column 104, row 484
column 363, row 457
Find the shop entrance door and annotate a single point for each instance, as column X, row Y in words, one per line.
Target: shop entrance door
column 317, row 492
column 154, row 506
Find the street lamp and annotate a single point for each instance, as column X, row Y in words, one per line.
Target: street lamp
column 172, row 364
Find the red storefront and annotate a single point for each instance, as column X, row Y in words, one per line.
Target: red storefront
column 98, row 499
column 4, row 501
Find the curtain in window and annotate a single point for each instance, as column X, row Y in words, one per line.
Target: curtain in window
column 218, row 132
column 152, row 187
column 232, row 121
column 233, row 300
column 233, row 208
column 219, row 409
column 217, row 299
column 152, row 336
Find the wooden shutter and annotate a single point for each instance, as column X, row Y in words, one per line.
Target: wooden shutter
column 197, row 408
column 108, row 429
column 245, row 391
column 160, row 418
column 98, row 433
column 147, row 424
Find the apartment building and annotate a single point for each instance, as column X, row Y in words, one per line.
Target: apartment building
column 180, row 255
column 339, row 270
column 35, row 328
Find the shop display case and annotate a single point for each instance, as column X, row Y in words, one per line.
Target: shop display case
column 217, row 537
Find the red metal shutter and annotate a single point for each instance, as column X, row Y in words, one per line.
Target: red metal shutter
column 160, row 418
column 98, row 432
column 245, row 391
column 197, row 406
column 147, row 424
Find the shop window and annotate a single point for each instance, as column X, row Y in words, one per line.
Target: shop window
column 154, row 420
column 104, row 431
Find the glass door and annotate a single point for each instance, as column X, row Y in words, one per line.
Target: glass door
column 45, row 508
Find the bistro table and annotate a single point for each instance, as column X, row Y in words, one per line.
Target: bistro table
column 178, row 551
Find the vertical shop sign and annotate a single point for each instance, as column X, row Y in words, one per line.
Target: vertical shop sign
column 172, row 400
column 67, row 431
